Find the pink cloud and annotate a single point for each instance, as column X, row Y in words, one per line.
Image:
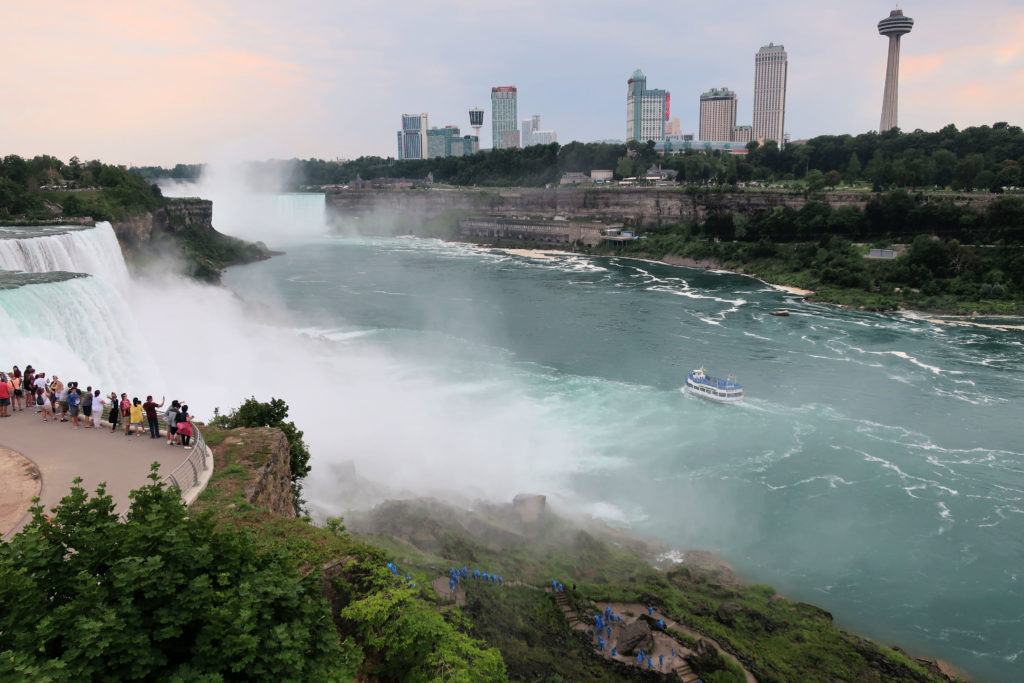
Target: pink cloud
column 914, row 66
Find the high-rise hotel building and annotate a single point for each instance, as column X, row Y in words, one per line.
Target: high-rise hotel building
column 412, row 139
column 504, row 117
column 717, row 115
column 770, row 65
column 646, row 110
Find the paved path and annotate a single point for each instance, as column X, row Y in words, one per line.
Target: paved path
column 61, row 453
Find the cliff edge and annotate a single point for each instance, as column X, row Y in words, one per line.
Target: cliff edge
column 182, row 231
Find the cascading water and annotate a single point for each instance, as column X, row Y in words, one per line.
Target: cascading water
column 81, row 327
column 67, row 248
column 273, row 218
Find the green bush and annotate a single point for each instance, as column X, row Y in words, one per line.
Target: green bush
column 163, row 596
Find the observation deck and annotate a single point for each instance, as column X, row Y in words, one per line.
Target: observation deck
column 895, row 24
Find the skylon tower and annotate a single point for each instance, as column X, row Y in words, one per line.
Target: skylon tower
column 476, row 120
column 893, row 26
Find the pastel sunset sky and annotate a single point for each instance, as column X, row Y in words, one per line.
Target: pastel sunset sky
column 183, row 82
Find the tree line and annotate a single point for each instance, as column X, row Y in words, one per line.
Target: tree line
column 30, row 189
column 979, row 157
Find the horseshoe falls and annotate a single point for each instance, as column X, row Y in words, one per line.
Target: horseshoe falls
column 876, row 467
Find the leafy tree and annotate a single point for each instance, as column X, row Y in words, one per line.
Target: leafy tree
column 166, row 595
column 625, row 168
column 410, row 639
column 944, row 167
column 853, row 169
column 815, row 181
column 967, row 170
column 833, row 178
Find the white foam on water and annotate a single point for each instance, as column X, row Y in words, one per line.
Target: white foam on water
column 905, row 356
column 833, row 480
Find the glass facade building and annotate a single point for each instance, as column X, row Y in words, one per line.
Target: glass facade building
column 412, row 139
column 504, row 117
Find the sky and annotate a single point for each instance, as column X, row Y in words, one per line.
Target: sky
column 162, row 83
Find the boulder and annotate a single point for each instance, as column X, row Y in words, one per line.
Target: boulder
column 529, row 506
column 635, row 637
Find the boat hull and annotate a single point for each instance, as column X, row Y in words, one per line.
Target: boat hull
column 712, row 395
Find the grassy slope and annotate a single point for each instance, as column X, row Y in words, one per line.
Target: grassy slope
column 777, row 639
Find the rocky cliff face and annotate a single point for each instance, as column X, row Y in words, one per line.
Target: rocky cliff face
column 642, row 206
column 252, row 464
column 183, row 231
column 271, row 487
column 145, row 232
column 639, row 206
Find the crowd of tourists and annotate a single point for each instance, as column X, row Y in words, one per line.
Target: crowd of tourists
column 58, row 401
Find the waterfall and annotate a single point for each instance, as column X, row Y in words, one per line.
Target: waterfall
column 83, row 328
column 69, row 248
column 273, row 218
column 80, row 329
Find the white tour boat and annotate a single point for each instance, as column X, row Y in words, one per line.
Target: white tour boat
column 699, row 383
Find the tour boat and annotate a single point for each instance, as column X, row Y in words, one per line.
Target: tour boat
column 699, row 383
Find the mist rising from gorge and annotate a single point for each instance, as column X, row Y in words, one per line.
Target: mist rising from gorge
column 410, row 428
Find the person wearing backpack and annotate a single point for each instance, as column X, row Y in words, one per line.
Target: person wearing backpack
column 185, row 427
column 171, row 420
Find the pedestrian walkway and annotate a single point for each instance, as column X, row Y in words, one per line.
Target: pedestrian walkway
column 61, row 453
column 667, row 651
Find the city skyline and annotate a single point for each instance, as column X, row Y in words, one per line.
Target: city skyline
column 139, row 84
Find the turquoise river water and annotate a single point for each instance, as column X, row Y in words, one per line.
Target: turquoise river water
column 875, row 467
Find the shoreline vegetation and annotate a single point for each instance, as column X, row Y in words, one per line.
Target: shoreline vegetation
column 963, row 320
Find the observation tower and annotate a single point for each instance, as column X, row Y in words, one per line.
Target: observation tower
column 893, row 26
column 476, row 120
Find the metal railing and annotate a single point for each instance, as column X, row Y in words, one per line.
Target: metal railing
column 186, row 476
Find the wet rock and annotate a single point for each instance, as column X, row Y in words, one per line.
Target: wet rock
column 635, row 637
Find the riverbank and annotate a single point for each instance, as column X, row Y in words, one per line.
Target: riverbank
column 953, row 315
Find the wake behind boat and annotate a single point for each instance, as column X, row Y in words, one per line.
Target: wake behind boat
column 699, row 383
